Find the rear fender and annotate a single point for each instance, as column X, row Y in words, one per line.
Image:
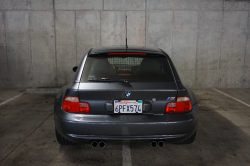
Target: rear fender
column 192, row 96
column 67, row 90
column 184, row 91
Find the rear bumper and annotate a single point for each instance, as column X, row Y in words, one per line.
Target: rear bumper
column 81, row 128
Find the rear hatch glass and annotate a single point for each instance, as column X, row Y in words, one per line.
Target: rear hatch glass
column 132, row 69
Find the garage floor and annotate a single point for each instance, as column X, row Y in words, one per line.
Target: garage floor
column 27, row 135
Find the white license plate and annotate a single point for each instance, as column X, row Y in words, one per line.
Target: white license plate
column 127, row 106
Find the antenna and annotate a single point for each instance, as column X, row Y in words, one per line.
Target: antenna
column 126, row 34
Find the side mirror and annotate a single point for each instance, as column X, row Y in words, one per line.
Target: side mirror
column 75, row 68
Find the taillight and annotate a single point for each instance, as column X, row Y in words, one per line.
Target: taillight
column 73, row 104
column 182, row 104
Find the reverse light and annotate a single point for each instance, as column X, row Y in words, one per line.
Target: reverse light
column 127, row 53
column 73, row 104
column 182, row 104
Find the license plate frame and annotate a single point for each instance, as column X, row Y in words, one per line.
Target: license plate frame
column 128, row 106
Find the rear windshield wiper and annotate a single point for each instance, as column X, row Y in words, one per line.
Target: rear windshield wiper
column 109, row 80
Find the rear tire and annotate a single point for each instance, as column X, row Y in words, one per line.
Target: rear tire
column 61, row 140
column 188, row 140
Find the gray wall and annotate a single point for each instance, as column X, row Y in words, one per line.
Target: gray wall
column 41, row 40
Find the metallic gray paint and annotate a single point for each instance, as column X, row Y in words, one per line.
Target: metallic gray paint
column 80, row 69
column 80, row 128
column 103, row 124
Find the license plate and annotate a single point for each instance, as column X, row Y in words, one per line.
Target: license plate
column 127, row 106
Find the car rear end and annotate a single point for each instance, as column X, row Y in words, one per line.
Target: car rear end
column 133, row 95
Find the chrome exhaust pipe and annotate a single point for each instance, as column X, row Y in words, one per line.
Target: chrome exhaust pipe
column 102, row 144
column 161, row 143
column 94, row 144
column 153, row 144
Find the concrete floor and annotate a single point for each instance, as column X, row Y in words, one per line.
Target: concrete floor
column 27, row 135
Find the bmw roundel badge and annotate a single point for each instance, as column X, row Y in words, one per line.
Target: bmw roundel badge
column 127, row 94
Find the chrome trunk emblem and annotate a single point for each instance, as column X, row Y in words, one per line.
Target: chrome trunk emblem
column 127, row 94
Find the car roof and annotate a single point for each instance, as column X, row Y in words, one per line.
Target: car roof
column 124, row 49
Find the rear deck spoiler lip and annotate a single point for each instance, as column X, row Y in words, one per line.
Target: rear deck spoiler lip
column 135, row 86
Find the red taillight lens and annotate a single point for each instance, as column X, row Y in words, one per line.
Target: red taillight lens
column 170, row 108
column 72, row 104
column 182, row 104
column 84, row 108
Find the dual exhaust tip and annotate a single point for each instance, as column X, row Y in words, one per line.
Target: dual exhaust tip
column 100, row 144
column 155, row 143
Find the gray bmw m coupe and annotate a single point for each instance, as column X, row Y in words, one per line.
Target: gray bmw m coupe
column 125, row 94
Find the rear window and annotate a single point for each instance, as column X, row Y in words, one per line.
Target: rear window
column 132, row 69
